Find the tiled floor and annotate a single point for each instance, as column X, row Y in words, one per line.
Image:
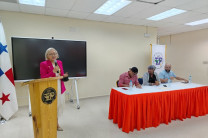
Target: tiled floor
column 91, row 121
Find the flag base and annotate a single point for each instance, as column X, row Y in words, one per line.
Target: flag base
column 2, row 120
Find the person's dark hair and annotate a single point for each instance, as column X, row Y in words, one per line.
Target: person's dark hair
column 134, row 69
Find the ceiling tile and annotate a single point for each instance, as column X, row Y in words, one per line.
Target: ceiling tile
column 194, row 4
column 143, row 22
column 56, row 12
column 127, row 21
column 97, row 17
column 10, row 1
column 203, row 9
column 203, row 25
column 173, row 3
column 134, row 14
column 186, row 17
column 131, row 9
column 151, row 11
column 32, row 9
column 9, row 6
column 60, row 4
column 87, row 5
column 80, row 15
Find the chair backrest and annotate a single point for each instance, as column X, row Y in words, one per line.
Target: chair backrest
column 117, row 83
column 140, row 80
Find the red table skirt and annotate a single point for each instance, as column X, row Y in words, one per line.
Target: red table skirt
column 151, row 109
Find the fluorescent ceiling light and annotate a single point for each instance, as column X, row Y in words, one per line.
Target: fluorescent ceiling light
column 198, row 22
column 33, row 2
column 112, row 6
column 166, row 14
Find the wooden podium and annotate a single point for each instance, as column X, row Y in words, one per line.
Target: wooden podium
column 43, row 97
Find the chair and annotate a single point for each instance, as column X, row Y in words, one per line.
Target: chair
column 140, row 80
column 117, row 83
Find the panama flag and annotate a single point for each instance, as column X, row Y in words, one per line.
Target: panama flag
column 8, row 100
column 158, row 57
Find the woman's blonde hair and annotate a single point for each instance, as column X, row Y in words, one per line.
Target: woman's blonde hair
column 47, row 51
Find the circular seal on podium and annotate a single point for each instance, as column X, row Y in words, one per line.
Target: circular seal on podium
column 48, row 95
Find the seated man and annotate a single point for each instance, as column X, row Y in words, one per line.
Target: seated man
column 151, row 78
column 167, row 74
column 125, row 78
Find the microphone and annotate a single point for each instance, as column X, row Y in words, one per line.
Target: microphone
column 56, row 64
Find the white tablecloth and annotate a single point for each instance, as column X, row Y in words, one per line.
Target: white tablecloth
column 160, row 88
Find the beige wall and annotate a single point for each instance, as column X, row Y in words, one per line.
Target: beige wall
column 111, row 48
column 187, row 52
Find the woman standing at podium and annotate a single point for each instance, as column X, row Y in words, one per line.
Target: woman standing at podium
column 54, row 68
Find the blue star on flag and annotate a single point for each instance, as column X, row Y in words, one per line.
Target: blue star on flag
column 1, row 72
column 3, row 48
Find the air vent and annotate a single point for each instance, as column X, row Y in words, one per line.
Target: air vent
column 151, row 1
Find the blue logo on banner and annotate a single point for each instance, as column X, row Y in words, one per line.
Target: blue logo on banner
column 158, row 60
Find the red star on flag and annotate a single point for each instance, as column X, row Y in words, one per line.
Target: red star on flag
column 4, row 98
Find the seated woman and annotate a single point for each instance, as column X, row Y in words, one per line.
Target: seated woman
column 151, row 78
column 53, row 68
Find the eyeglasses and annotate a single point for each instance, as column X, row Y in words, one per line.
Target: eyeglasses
column 52, row 54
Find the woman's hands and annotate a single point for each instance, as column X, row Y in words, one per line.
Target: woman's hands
column 66, row 75
column 56, row 68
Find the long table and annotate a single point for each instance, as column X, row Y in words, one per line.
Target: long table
column 152, row 105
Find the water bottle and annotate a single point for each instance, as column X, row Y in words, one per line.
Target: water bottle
column 130, row 84
column 190, row 78
column 169, row 82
